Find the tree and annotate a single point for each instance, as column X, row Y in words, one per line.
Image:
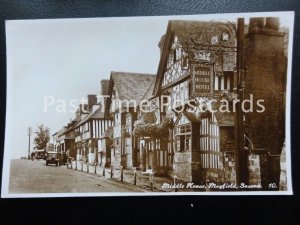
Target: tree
column 42, row 137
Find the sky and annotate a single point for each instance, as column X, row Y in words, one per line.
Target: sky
column 67, row 59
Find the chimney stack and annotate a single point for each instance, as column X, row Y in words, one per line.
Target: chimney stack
column 92, row 100
column 272, row 23
column 104, row 87
column 256, row 24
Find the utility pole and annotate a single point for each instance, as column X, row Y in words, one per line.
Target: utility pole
column 241, row 153
column 29, row 134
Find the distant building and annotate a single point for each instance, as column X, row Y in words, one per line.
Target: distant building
column 79, row 138
column 89, row 130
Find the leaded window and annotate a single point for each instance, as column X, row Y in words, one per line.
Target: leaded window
column 183, row 137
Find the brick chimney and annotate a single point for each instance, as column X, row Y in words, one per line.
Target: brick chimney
column 92, row 100
column 256, row 24
column 272, row 23
column 77, row 116
column 104, row 87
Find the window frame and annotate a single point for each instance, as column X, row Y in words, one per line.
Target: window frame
column 183, row 133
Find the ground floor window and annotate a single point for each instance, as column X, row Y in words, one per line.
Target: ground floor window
column 183, row 137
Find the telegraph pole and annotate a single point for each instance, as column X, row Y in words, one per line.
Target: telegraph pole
column 29, row 134
column 241, row 153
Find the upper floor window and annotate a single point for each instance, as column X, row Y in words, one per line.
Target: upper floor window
column 224, row 81
column 181, row 92
column 117, row 119
column 185, row 63
column 171, row 59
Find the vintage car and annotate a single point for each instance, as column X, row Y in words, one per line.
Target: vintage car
column 53, row 158
column 39, row 154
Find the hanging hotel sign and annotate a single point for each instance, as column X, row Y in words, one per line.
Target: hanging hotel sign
column 202, row 81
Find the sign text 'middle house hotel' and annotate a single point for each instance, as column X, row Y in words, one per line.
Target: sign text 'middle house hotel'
column 202, row 81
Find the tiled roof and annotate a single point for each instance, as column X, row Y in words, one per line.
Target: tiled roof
column 192, row 34
column 132, row 86
column 70, row 126
column 61, row 131
column 96, row 115
column 192, row 37
column 149, row 91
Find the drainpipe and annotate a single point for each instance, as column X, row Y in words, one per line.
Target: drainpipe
column 240, row 154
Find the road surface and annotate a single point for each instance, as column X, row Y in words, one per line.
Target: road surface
column 28, row 176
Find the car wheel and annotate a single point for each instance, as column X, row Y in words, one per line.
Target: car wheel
column 46, row 163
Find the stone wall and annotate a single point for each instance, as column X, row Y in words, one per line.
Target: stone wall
column 182, row 167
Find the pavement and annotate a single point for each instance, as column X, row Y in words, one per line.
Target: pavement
column 142, row 179
column 28, row 176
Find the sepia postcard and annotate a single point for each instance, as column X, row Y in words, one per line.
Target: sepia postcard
column 139, row 106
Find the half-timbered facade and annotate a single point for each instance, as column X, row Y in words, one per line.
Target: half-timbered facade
column 67, row 139
column 197, row 64
column 89, row 131
column 105, row 145
column 125, row 93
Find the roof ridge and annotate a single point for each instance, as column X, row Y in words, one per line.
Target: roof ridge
column 132, row 73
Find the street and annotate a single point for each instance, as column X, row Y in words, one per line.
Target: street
column 28, row 176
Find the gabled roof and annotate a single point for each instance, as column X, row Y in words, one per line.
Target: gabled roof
column 129, row 86
column 98, row 114
column 192, row 36
column 71, row 126
column 61, row 132
column 148, row 95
